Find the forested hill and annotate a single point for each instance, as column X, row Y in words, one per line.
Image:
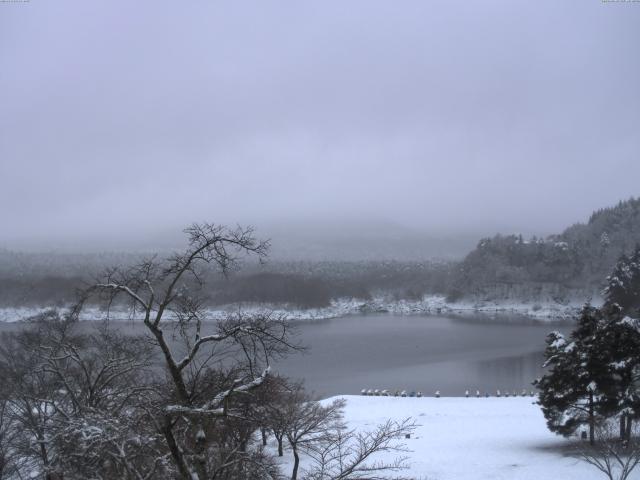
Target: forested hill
column 577, row 260
column 572, row 265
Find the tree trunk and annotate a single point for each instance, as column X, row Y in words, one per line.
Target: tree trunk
column 592, row 422
column 44, row 454
column 176, row 451
column 623, row 427
column 627, row 433
column 296, row 464
column 264, row 436
column 176, row 374
column 280, row 450
column 200, row 457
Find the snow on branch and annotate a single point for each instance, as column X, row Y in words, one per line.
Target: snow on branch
column 125, row 289
column 215, row 406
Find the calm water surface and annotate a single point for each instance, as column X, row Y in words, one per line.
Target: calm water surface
column 412, row 353
column 425, row 353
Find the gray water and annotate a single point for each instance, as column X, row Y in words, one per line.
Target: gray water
column 413, row 353
column 425, row 353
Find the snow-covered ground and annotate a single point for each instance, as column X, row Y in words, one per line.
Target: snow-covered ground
column 472, row 438
column 428, row 305
column 437, row 304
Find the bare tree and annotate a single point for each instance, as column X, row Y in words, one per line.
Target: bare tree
column 74, row 401
column 277, row 408
column 319, row 432
column 89, row 402
column 29, row 404
column 169, row 295
column 351, row 455
column 308, row 423
column 616, row 458
column 9, row 459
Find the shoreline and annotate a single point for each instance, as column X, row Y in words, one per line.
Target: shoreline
column 550, row 312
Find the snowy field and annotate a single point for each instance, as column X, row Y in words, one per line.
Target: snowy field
column 473, row 439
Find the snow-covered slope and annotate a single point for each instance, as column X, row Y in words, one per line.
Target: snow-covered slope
column 473, row 438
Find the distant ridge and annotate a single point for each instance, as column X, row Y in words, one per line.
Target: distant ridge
column 577, row 259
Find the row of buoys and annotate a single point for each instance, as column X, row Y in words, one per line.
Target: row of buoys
column 387, row 393
column 404, row 393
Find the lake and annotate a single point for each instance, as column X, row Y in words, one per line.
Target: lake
column 412, row 352
column 425, row 353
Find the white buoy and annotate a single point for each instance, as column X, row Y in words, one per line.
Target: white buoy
column 437, row 393
column 466, row 393
column 477, row 393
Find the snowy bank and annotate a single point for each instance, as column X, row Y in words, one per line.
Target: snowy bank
column 428, row 305
column 437, row 304
column 471, row 438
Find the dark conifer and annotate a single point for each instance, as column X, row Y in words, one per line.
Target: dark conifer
column 623, row 285
column 570, row 396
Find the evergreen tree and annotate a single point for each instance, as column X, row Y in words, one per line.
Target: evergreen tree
column 619, row 351
column 596, row 375
column 570, row 392
column 623, row 285
column 622, row 339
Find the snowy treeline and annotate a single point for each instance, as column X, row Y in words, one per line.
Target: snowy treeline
column 556, row 270
column 28, row 280
column 566, row 266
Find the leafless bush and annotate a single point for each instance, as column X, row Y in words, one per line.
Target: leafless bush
column 615, row 458
column 354, row 455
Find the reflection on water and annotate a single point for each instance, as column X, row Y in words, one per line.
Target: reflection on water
column 425, row 353
column 513, row 373
column 419, row 353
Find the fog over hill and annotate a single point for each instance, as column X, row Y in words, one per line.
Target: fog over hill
column 439, row 116
column 361, row 241
column 330, row 240
column 313, row 264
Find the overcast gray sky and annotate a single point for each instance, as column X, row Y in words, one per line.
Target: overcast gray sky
column 442, row 116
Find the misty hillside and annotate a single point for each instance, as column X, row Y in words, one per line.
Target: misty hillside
column 569, row 266
column 52, row 280
column 572, row 263
column 362, row 242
